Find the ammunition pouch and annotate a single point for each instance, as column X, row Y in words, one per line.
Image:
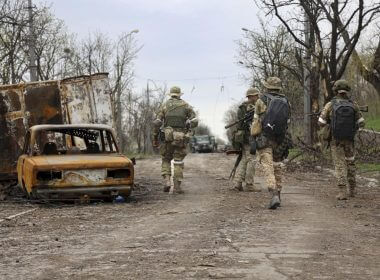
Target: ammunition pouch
column 239, row 136
column 178, row 139
column 261, row 142
column 256, row 127
column 253, row 145
column 168, row 132
column 175, row 121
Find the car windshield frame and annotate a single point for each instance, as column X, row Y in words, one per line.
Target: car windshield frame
column 106, row 137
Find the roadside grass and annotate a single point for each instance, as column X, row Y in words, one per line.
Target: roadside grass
column 368, row 167
column 293, row 152
column 373, row 124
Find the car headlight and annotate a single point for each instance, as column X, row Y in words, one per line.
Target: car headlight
column 49, row 175
column 118, row 173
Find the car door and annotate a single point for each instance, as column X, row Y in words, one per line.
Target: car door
column 21, row 161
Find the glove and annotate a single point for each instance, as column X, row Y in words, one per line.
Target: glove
column 155, row 143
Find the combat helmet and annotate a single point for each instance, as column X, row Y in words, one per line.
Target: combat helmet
column 273, row 83
column 341, row 86
column 252, row 92
column 175, row 91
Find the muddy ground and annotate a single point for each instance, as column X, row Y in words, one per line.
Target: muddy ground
column 207, row 233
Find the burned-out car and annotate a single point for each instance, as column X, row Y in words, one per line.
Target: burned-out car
column 72, row 161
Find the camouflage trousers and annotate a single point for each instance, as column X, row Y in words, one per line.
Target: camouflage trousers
column 343, row 155
column 246, row 169
column 168, row 152
column 272, row 170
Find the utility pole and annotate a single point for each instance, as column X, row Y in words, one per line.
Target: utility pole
column 148, row 148
column 32, row 46
column 307, row 83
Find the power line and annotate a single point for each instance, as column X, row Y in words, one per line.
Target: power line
column 190, row 79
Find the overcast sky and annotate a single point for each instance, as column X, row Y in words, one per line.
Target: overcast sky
column 189, row 43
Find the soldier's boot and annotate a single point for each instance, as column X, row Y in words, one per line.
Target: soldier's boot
column 275, row 200
column 177, row 187
column 351, row 191
column 167, row 183
column 342, row 195
column 252, row 188
column 238, row 186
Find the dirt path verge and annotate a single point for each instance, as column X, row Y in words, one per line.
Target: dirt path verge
column 208, row 233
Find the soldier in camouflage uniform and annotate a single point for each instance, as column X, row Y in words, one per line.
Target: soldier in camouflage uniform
column 176, row 117
column 342, row 151
column 266, row 148
column 246, row 169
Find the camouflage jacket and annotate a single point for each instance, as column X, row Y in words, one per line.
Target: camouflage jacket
column 173, row 103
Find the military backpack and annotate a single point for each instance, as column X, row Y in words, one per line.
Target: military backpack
column 275, row 121
column 343, row 126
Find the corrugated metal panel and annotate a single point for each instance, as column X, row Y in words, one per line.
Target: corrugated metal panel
column 88, row 99
column 101, row 93
column 77, row 100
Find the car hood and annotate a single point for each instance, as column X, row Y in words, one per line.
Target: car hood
column 79, row 161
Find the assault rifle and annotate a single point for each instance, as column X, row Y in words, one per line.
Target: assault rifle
column 247, row 118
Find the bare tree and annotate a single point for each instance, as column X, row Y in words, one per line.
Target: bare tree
column 51, row 46
column 266, row 53
column 14, row 38
column 122, row 77
column 231, row 116
column 329, row 21
column 202, row 129
column 96, row 53
column 370, row 71
column 13, row 57
column 269, row 53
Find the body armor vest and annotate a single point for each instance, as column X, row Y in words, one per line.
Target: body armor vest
column 176, row 114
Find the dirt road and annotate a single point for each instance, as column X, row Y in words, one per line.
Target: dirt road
column 207, row 233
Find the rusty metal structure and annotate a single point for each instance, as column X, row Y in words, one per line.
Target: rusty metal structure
column 77, row 100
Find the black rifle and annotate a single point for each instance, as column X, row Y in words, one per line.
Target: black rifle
column 247, row 118
column 237, row 162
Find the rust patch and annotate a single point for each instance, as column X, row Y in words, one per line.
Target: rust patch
column 44, row 105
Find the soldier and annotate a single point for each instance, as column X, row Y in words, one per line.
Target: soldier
column 176, row 117
column 246, row 171
column 342, row 118
column 269, row 128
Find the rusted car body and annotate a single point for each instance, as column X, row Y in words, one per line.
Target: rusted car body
column 72, row 161
column 78, row 100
